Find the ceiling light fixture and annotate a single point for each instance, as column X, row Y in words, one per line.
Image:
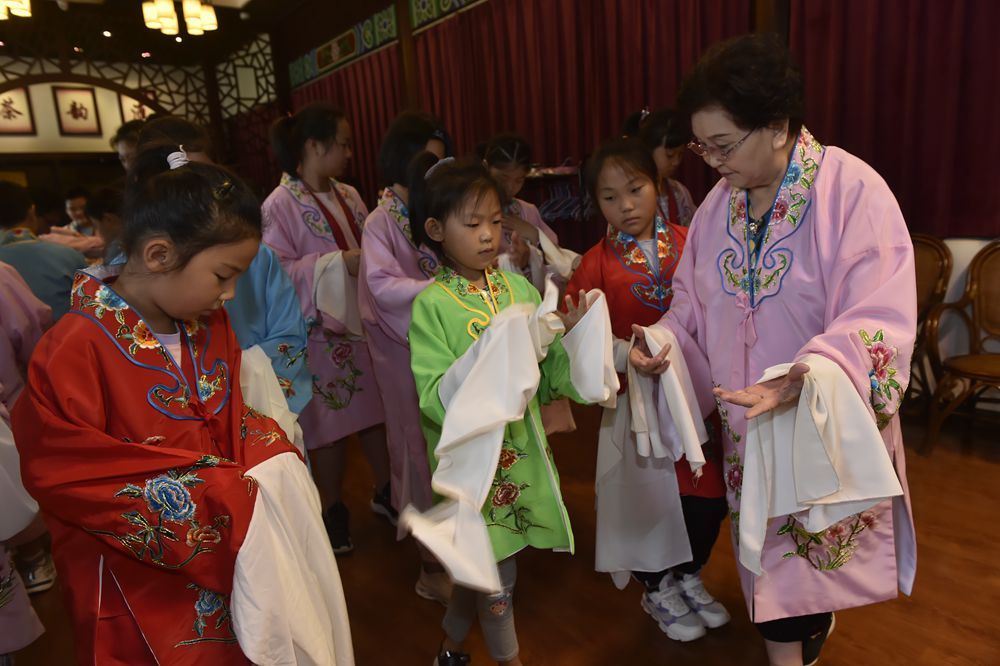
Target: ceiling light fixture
column 161, row 15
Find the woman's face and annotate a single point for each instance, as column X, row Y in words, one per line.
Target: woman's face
column 746, row 159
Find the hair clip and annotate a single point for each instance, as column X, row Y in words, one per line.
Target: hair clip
column 439, row 135
column 644, row 113
column 222, row 191
column 447, row 160
column 178, row 158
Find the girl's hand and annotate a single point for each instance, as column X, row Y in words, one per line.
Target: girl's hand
column 352, row 259
column 525, row 230
column 766, row 396
column 642, row 360
column 520, row 253
column 574, row 313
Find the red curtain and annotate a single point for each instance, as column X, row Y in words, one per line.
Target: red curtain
column 249, row 146
column 370, row 93
column 910, row 86
column 566, row 73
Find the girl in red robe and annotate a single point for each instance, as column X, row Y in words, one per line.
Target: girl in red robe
column 132, row 431
column 634, row 267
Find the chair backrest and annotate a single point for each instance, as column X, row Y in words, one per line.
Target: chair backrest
column 933, row 267
column 983, row 292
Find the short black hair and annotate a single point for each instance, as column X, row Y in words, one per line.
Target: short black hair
column 106, row 200
column 631, row 124
column 196, row 205
column 443, row 193
column 177, row 131
column 406, row 138
column 664, row 129
column 128, row 132
column 15, row 203
column 290, row 133
column 76, row 193
column 753, row 78
column 508, row 150
column 631, row 154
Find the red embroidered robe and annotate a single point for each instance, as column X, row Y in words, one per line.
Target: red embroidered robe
column 138, row 465
column 639, row 295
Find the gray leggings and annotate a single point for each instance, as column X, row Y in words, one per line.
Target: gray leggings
column 496, row 614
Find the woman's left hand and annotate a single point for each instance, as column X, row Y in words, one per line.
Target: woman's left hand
column 767, row 396
column 574, row 313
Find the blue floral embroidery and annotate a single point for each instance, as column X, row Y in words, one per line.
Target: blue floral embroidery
column 110, row 300
column 792, row 175
column 207, row 605
column 168, row 497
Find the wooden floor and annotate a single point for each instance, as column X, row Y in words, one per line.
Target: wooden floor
column 567, row 614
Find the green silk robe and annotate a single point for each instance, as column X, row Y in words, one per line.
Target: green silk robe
column 525, row 506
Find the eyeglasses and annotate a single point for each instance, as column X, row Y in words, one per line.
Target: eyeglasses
column 719, row 154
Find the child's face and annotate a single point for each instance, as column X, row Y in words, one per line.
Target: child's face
column 627, row 199
column 471, row 236
column 76, row 209
column 334, row 158
column 668, row 160
column 206, row 282
column 510, row 179
column 109, row 227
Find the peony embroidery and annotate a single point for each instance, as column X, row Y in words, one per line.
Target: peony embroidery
column 170, row 498
column 882, row 377
column 506, row 494
column 508, row 457
column 167, row 498
column 503, row 508
column 206, row 606
column 832, row 548
column 337, row 394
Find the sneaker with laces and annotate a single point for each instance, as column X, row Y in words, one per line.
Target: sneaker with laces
column 382, row 505
column 711, row 612
column 39, row 573
column 811, row 646
column 337, row 520
column 672, row 614
column 434, row 586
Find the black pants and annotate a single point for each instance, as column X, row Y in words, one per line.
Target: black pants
column 794, row 629
column 702, row 517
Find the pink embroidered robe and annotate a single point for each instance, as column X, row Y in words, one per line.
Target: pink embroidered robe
column 835, row 277
column 393, row 271
column 345, row 397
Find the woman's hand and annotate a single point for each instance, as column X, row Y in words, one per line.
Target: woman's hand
column 352, row 260
column 574, row 313
column 642, row 360
column 767, row 396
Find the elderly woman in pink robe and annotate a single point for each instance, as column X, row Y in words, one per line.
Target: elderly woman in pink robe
column 800, row 250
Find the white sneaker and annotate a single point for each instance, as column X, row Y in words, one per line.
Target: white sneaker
column 434, row 586
column 667, row 607
column 712, row 613
column 41, row 574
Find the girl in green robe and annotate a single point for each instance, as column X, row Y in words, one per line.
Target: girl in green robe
column 455, row 210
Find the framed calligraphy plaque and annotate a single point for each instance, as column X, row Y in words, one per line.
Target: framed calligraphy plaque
column 16, row 116
column 76, row 111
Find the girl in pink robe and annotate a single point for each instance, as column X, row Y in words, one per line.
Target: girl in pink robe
column 508, row 158
column 827, row 270
column 394, row 269
column 312, row 221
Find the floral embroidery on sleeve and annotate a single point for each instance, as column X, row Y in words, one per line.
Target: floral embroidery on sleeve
column 168, row 500
column 882, row 377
